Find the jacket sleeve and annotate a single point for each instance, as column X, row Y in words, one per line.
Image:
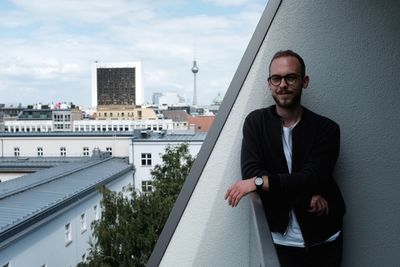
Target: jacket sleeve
column 315, row 176
column 251, row 158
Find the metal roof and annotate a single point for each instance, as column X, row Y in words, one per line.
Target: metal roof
column 17, row 163
column 27, row 200
column 66, row 134
column 148, row 136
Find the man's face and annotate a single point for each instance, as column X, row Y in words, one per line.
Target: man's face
column 287, row 91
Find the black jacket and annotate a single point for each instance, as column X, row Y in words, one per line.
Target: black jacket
column 315, row 148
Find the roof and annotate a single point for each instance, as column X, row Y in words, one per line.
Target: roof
column 203, row 123
column 25, row 202
column 176, row 115
column 23, row 164
column 65, row 134
column 178, row 136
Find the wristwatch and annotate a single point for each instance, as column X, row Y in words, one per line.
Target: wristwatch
column 259, row 182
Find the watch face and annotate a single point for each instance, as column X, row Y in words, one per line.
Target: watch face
column 258, row 181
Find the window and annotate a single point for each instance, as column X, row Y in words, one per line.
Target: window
column 83, row 222
column 109, row 150
column 16, row 151
column 63, row 151
column 40, row 151
column 68, row 234
column 147, row 186
column 146, row 159
column 85, row 151
column 95, row 212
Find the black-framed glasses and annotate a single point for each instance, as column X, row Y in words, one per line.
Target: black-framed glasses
column 290, row 79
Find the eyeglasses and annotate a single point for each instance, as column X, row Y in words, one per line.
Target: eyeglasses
column 290, row 79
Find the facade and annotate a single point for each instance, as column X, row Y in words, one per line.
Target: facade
column 117, row 84
column 63, row 119
column 146, row 147
column 122, row 125
column 118, row 112
column 85, row 125
column 43, row 120
column 66, row 144
column 46, row 216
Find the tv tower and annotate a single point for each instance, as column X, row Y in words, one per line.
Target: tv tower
column 195, row 70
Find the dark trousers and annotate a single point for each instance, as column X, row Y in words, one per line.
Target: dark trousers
column 328, row 254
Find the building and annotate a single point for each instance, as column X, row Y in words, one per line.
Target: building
column 117, row 84
column 63, row 144
column 27, row 126
column 119, row 112
column 59, row 146
column 48, row 181
column 122, row 125
column 46, row 216
column 146, row 148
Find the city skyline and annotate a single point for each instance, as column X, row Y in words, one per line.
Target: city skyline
column 48, row 47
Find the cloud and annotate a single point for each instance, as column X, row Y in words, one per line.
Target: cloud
column 60, row 39
column 228, row 3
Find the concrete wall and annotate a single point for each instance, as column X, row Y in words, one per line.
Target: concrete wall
column 351, row 49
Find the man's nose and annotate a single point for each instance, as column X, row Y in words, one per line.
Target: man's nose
column 283, row 83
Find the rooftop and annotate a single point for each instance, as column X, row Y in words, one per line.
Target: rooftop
column 29, row 199
column 65, row 134
column 167, row 136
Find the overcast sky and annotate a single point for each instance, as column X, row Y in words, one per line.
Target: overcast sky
column 47, row 46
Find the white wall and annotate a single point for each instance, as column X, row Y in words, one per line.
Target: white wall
column 46, row 244
column 155, row 149
column 74, row 145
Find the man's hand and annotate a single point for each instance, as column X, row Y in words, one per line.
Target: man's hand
column 319, row 205
column 238, row 190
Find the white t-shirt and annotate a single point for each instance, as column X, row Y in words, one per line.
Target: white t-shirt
column 293, row 236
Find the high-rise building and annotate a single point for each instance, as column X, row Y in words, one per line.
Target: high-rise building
column 117, row 84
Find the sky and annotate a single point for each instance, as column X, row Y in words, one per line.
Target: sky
column 47, row 47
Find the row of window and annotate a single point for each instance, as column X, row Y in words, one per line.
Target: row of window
column 63, row 151
column 68, row 232
column 82, row 128
column 61, row 117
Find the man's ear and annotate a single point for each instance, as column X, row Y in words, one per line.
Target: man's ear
column 306, row 80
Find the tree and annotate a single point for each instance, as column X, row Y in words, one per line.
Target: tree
column 131, row 223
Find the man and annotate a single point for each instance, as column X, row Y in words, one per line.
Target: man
column 288, row 155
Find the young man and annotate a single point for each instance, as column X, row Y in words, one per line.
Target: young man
column 288, row 155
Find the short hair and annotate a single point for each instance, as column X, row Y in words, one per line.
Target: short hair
column 290, row 53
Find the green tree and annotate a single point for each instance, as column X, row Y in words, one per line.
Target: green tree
column 131, row 223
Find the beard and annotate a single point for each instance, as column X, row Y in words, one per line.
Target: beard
column 290, row 102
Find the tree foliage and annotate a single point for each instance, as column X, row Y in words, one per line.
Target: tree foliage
column 131, row 223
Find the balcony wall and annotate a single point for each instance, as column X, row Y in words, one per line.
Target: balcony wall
column 351, row 49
